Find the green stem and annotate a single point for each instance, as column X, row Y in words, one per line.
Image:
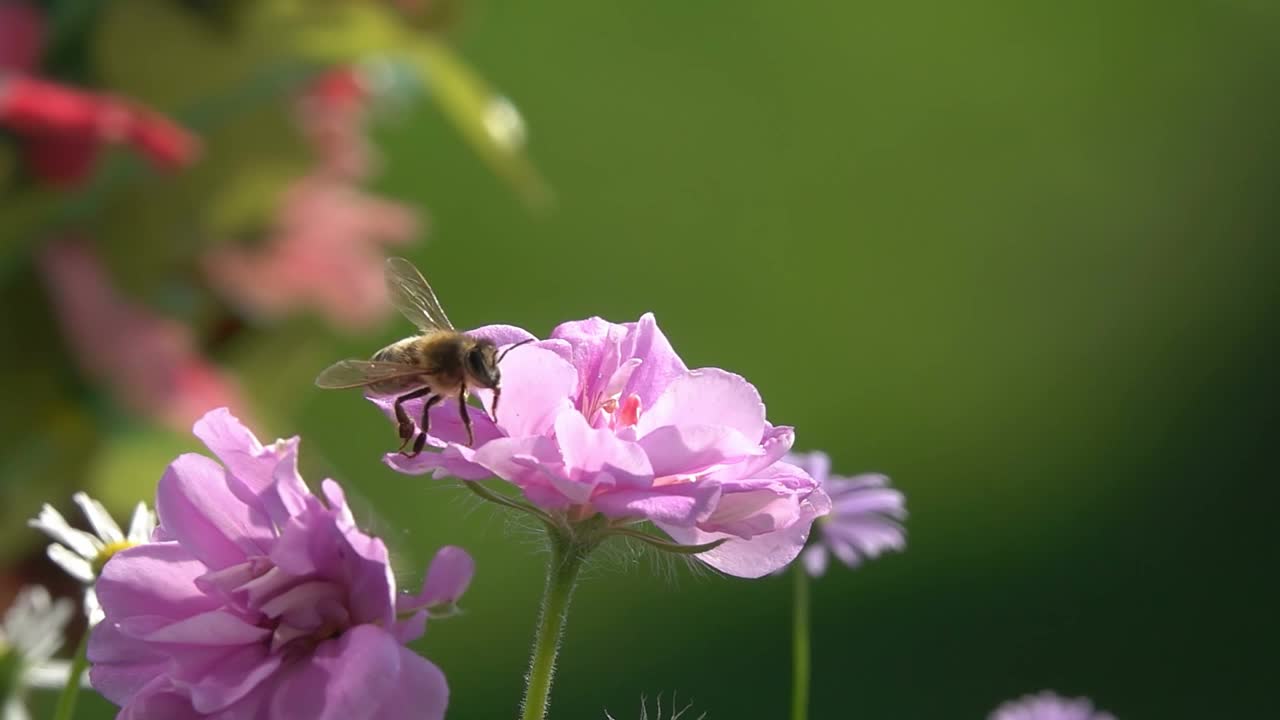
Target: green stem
column 562, row 574
column 66, row 706
column 800, row 644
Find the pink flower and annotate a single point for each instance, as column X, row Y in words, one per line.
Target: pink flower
column 326, row 248
column 149, row 362
column 258, row 599
column 606, row 418
column 865, row 520
column 1048, row 706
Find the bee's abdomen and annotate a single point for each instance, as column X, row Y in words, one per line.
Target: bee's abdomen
column 401, row 351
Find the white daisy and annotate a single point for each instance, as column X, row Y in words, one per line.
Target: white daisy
column 31, row 633
column 83, row 554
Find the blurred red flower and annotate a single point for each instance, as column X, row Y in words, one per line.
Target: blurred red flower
column 63, row 128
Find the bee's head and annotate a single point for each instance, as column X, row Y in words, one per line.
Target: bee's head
column 482, row 365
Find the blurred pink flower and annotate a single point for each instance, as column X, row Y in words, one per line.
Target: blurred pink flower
column 326, row 247
column 148, row 362
column 606, row 418
column 259, row 599
column 331, row 112
column 1049, row 706
column 63, row 128
column 325, row 253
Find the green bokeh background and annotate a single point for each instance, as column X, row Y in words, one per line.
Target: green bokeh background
column 1020, row 256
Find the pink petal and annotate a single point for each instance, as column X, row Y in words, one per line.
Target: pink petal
column 661, row 365
column 230, row 678
column 595, row 456
column 516, row 459
column 269, row 474
column 773, row 447
column 746, row 514
column 347, row 678
column 197, row 508
column 706, row 397
column 448, row 577
column 216, row 627
column 121, row 665
column 536, row 385
column 681, row 504
column 690, row 449
column 421, row 686
column 589, row 341
column 157, row 579
column 313, row 544
column 453, row 461
column 159, row 700
column 763, row 553
column 757, row 557
column 502, row 334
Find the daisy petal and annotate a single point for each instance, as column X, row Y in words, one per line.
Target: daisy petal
column 51, row 523
column 142, row 524
column 103, row 524
column 75, row 565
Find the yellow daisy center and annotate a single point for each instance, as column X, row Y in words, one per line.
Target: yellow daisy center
column 100, row 560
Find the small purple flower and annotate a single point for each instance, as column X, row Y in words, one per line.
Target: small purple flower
column 865, row 520
column 1049, row 706
column 258, row 599
column 606, row 418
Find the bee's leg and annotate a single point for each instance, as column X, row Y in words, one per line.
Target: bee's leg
column 421, row 441
column 497, row 395
column 402, row 417
column 426, row 408
column 466, row 418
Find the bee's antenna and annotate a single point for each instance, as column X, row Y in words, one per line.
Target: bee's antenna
column 513, row 347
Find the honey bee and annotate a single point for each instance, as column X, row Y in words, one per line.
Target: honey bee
column 439, row 363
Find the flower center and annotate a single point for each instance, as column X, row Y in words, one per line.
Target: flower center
column 306, row 615
column 305, row 645
column 100, row 560
column 617, row 415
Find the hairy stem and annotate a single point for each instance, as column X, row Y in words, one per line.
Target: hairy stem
column 800, row 644
column 66, row 707
column 562, row 574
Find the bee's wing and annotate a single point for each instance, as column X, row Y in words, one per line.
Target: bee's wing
column 358, row 373
column 413, row 297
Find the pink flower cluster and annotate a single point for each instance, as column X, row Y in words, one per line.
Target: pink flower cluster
column 606, row 418
column 326, row 248
column 258, row 599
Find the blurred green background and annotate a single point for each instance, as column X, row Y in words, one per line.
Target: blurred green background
column 1020, row 256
